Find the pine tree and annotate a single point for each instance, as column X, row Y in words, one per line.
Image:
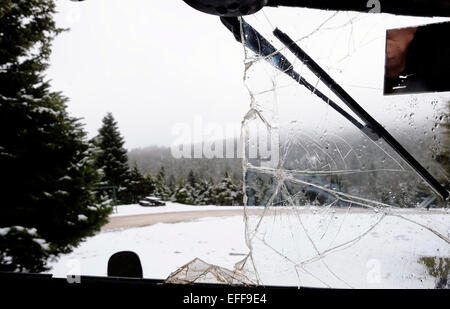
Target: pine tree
column 138, row 186
column 193, row 187
column 192, row 179
column 172, row 183
column 47, row 170
column 150, row 183
column 112, row 158
column 203, row 195
column 161, row 189
column 183, row 194
column 226, row 192
column 261, row 195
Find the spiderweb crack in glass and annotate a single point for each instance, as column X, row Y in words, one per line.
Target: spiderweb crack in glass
column 340, row 209
column 332, row 188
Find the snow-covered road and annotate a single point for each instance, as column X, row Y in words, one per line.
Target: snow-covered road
column 134, row 209
column 123, row 222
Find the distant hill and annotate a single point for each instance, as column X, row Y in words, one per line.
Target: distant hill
column 150, row 159
column 314, row 152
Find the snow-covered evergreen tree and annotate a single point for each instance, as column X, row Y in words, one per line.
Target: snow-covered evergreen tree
column 112, row 158
column 194, row 191
column 138, row 186
column 183, row 193
column 47, row 171
column 161, row 189
column 203, row 194
column 226, row 192
column 172, row 185
column 261, row 196
column 192, row 179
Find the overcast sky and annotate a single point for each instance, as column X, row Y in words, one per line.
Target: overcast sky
column 156, row 64
column 151, row 63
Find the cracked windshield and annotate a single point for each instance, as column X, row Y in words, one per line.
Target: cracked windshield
column 286, row 146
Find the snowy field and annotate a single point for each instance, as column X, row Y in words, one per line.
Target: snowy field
column 387, row 256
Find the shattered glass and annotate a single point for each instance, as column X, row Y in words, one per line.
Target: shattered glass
column 340, row 210
column 198, row 271
column 337, row 209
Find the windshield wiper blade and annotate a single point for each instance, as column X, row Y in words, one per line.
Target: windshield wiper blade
column 258, row 44
column 371, row 128
column 361, row 112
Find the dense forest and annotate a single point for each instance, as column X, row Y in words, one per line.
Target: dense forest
column 384, row 177
column 151, row 159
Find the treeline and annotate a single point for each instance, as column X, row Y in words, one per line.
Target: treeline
column 375, row 175
column 129, row 185
column 192, row 190
column 151, row 159
column 351, row 163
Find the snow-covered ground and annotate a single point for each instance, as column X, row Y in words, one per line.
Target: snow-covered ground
column 163, row 248
column 386, row 257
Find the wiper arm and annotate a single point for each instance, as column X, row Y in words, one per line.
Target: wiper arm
column 258, row 44
column 371, row 128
